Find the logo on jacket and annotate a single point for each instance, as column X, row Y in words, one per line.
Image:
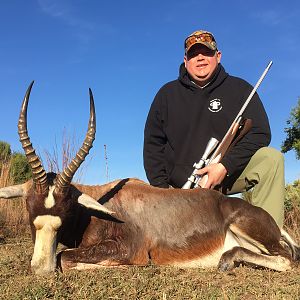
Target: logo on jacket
column 215, row 105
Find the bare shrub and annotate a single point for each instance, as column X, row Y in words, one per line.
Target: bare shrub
column 58, row 162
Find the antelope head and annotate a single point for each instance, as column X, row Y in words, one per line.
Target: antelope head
column 50, row 198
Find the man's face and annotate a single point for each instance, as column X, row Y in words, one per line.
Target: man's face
column 201, row 62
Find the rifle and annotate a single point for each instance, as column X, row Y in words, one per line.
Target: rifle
column 236, row 131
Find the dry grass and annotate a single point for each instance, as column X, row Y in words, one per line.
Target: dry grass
column 5, row 179
column 16, row 281
column 150, row 282
column 13, row 218
column 13, row 214
column 292, row 222
column 292, row 209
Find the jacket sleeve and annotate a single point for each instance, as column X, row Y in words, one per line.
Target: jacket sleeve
column 154, row 145
column 259, row 136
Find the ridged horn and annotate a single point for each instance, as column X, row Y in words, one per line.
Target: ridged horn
column 64, row 179
column 39, row 175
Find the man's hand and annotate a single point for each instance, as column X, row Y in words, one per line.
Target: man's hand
column 212, row 175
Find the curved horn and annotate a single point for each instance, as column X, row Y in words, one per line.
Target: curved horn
column 38, row 173
column 64, row 179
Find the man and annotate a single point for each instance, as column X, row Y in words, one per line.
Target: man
column 202, row 103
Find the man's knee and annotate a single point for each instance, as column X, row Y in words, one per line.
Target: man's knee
column 269, row 156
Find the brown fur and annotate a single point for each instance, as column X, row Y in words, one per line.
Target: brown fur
column 162, row 226
column 195, row 249
column 168, row 226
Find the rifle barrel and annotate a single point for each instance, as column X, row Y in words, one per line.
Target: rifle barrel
column 254, row 89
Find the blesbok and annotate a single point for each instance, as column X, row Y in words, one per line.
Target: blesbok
column 128, row 222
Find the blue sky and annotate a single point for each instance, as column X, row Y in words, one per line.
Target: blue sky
column 125, row 51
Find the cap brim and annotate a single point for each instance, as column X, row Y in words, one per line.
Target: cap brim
column 208, row 45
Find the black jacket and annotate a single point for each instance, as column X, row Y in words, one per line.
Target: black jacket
column 183, row 117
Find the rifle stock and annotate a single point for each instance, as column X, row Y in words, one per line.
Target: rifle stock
column 226, row 142
column 236, row 131
column 233, row 135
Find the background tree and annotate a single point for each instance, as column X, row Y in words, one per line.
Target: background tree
column 14, row 168
column 19, row 168
column 5, row 152
column 292, row 141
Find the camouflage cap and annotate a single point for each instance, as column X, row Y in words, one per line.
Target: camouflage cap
column 200, row 37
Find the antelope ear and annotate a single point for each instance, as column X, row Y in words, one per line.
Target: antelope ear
column 91, row 203
column 12, row 191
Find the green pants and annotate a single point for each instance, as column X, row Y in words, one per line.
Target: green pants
column 264, row 174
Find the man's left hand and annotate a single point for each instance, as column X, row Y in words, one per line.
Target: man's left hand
column 212, row 175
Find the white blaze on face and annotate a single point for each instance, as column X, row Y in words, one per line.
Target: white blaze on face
column 49, row 200
column 44, row 255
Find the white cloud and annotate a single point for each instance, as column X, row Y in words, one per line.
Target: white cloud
column 275, row 17
column 53, row 8
column 64, row 11
column 270, row 17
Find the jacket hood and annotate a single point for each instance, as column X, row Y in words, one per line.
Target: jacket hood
column 218, row 77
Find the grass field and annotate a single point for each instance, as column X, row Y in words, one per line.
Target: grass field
column 16, row 281
column 150, row 282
